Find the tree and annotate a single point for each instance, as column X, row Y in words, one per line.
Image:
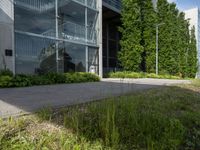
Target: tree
column 130, row 54
column 192, row 56
column 176, row 44
column 168, row 38
column 148, row 34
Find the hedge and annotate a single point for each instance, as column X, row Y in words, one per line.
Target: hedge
column 129, row 74
column 8, row 80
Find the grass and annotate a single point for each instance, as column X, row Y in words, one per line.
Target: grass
column 196, row 83
column 157, row 119
column 129, row 74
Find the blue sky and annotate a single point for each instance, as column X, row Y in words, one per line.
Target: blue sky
column 186, row 4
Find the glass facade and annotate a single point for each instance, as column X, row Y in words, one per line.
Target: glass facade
column 111, row 46
column 117, row 4
column 56, row 35
column 111, row 38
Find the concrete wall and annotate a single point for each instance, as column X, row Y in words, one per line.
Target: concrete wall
column 7, row 34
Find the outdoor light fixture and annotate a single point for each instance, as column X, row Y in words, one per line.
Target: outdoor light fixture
column 157, row 35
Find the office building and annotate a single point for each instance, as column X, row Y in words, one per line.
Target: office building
column 39, row 36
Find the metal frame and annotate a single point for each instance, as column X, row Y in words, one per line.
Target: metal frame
column 114, row 5
column 86, row 43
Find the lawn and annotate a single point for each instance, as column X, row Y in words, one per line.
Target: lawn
column 158, row 119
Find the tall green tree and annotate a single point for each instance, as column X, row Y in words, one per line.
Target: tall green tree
column 148, row 41
column 192, row 56
column 168, row 37
column 176, row 44
column 138, row 21
column 130, row 54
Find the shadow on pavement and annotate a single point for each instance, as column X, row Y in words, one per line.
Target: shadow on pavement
column 14, row 101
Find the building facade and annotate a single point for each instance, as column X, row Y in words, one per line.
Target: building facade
column 193, row 15
column 38, row 36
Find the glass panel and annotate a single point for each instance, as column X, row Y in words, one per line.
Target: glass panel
column 105, row 62
column 93, row 60
column 112, row 62
column 104, row 30
column 91, row 23
column 114, row 3
column 92, row 3
column 35, row 19
column 105, row 47
column 35, row 16
column 112, row 48
column 113, row 32
column 34, row 54
column 73, row 57
column 80, row 1
column 71, row 21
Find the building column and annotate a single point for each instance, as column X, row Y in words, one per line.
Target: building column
column 100, row 38
column 86, row 36
column 7, row 61
column 57, row 36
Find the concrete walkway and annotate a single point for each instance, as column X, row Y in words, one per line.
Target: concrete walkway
column 16, row 101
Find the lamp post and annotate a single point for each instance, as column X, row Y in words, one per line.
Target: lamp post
column 157, row 46
column 157, row 36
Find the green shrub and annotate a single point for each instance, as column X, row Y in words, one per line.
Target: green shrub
column 6, row 73
column 5, row 81
column 55, row 78
column 47, row 79
column 153, row 75
column 135, row 75
column 21, row 81
column 74, row 78
column 90, row 77
column 79, row 77
column 40, row 80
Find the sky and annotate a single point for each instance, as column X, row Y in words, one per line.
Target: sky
column 186, row 4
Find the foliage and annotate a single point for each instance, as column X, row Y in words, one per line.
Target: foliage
column 129, row 74
column 30, row 133
column 196, row 82
column 164, row 118
column 5, row 81
column 191, row 58
column 21, row 81
column 6, row 73
column 167, row 120
column 55, row 77
column 177, row 45
column 50, row 78
column 130, row 54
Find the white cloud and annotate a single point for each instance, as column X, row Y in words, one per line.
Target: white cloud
column 171, row 1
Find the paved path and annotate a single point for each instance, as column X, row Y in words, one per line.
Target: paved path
column 17, row 101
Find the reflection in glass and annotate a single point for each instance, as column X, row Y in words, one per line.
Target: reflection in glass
column 93, row 60
column 34, row 54
column 35, row 36
column 73, row 57
column 71, row 21
column 35, row 16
